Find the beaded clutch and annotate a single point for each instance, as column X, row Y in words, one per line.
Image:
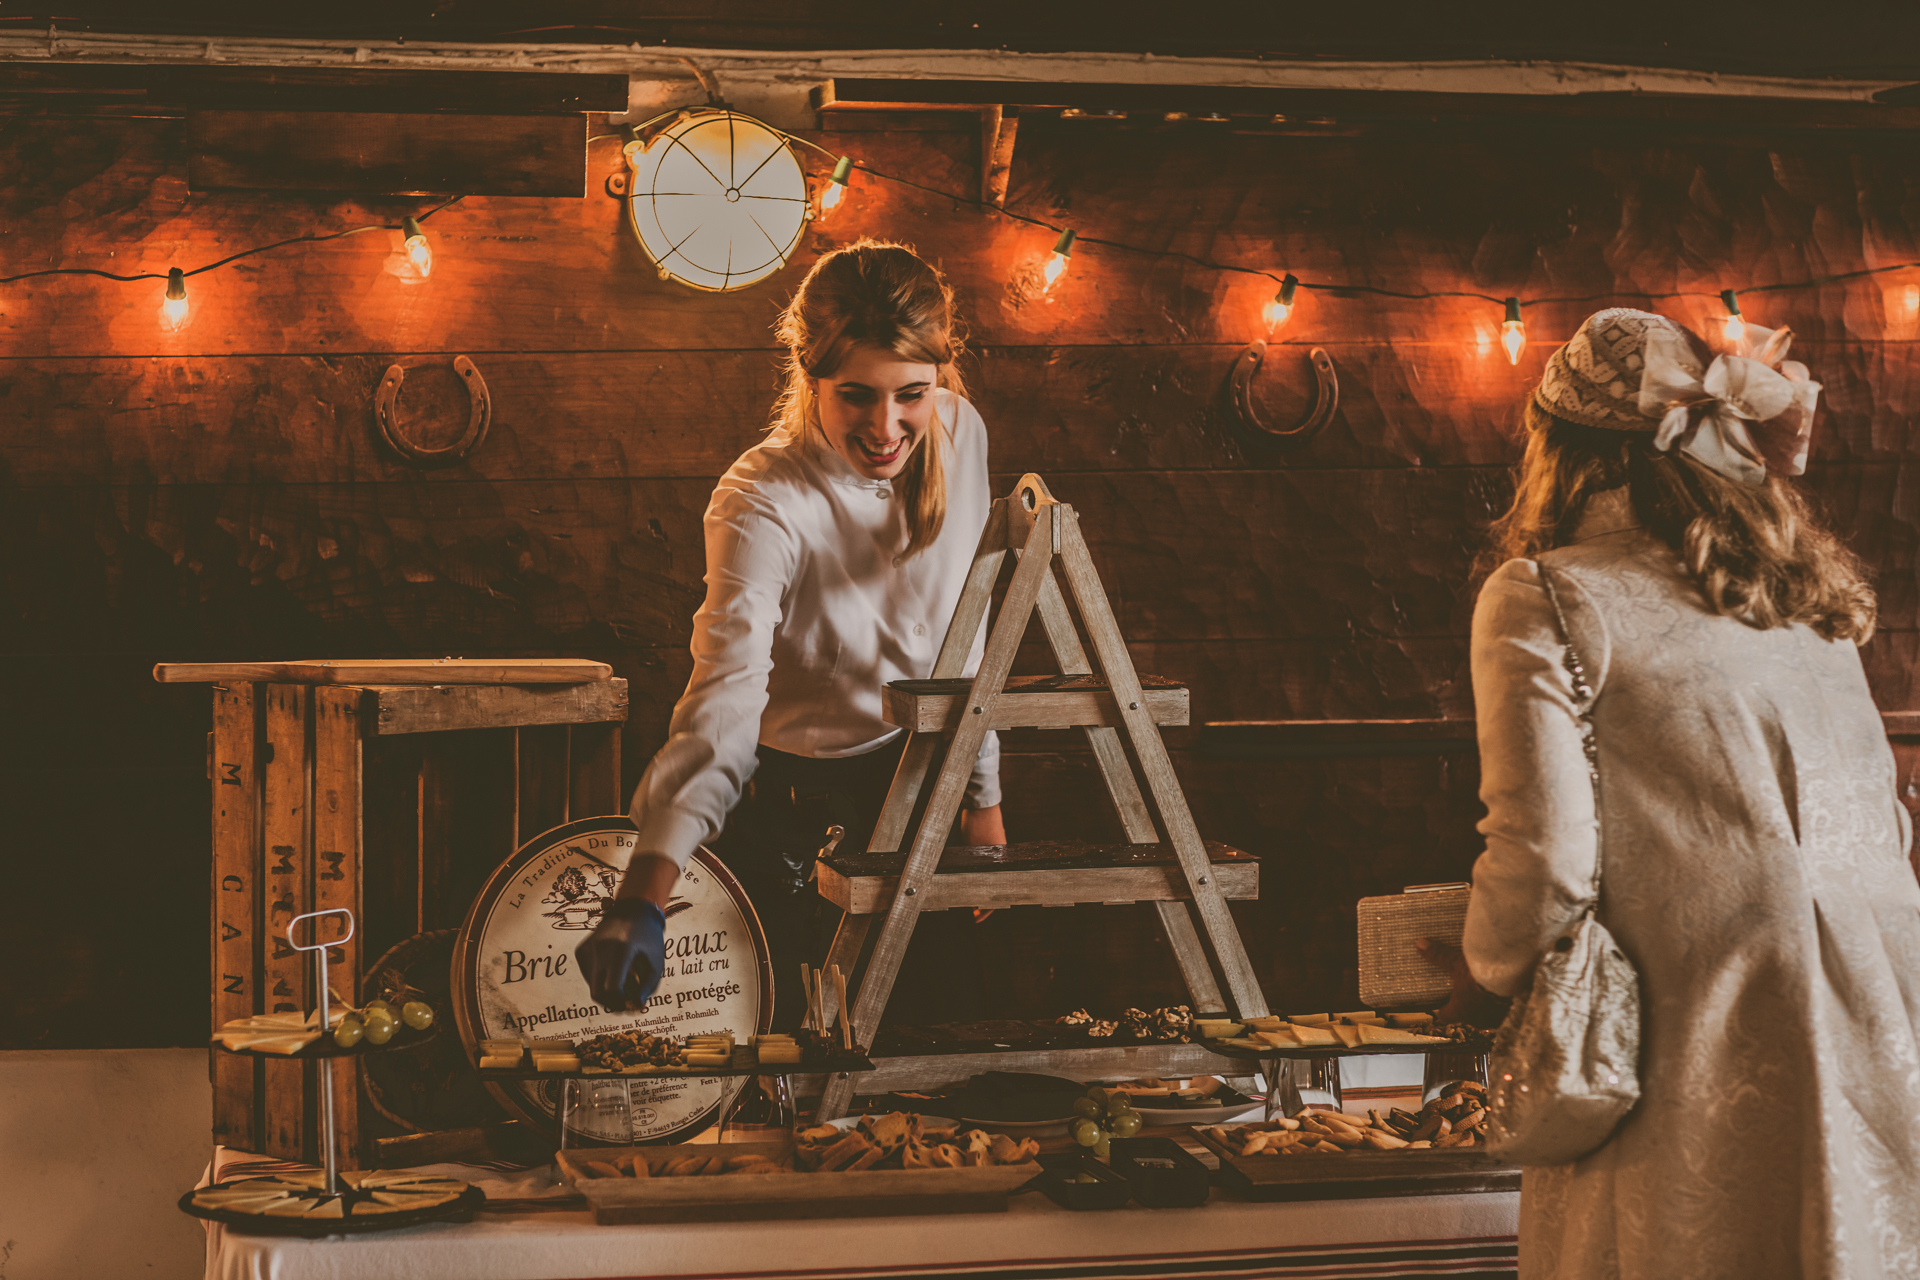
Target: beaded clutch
column 1393, row 973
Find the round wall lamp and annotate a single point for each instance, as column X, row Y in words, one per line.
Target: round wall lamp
column 718, row 200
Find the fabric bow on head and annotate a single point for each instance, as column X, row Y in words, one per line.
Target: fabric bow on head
column 1743, row 415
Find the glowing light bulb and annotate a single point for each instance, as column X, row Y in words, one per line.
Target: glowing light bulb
column 1058, row 260
column 836, row 186
column 173, row 309
column 1281, row 307
column 417, row 247
column 1513, row 332
column 1736, row 327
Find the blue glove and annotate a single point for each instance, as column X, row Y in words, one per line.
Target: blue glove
column 623, row 958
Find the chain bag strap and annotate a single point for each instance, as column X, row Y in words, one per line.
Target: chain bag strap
column 1565, row 1062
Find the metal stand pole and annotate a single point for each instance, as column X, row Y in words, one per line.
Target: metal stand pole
column 327, row 1147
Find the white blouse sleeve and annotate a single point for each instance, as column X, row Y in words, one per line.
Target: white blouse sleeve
column 1536, row 876
column 711, row 751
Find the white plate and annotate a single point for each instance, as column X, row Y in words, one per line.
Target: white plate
column 1198, row 1115
column 1024, row 1128
column 939, row 1122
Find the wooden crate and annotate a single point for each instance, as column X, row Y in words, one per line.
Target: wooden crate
column 396, row 801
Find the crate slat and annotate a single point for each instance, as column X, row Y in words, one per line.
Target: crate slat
column 235, row 948
column 287, row 834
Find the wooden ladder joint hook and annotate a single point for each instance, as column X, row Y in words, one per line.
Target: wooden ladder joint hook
column 480, row 417
column 1325, row 402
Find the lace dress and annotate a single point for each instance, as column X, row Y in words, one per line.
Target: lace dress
column 1756, row 874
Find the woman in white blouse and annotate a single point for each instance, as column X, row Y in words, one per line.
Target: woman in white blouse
column 836, row 550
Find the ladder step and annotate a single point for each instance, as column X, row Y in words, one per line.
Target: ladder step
column 1028, row 702
column 940, row 1057
column 1047, row 873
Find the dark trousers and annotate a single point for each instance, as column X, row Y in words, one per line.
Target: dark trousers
column 770, row 842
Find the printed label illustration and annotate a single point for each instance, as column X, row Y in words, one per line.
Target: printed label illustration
column 529, row 984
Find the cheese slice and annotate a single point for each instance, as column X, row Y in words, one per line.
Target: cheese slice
column 555, row 1061
column 237, row 1201
column 1311, row 1035
column 1310, row 1019
column 1409, row 1019
column 373, row 1206
column 776, row 1053
column 1265, row 1022
column 290, row 1207
column 331, row 1208
column 1348, row 1035
column 1393, row 1035
column 1285, row 1038
column 409, row 1200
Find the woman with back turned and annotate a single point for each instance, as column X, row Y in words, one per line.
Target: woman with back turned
column 1753, row 849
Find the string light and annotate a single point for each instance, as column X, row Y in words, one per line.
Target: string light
column 1058, row 261
column 173, row 308
column 1736, row 327
column 836, row 186
column 1513, row 332
column 1281, row 307
column 417, row 247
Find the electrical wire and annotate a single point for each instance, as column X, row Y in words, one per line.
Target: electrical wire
column 313, row 238
column 1348, row 289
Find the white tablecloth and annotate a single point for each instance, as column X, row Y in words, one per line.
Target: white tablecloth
column 1463, row 1235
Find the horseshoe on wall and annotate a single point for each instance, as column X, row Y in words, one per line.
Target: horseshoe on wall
column 385, row 409
column 1325, row 401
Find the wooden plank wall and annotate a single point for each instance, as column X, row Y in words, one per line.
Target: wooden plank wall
column 221, row 493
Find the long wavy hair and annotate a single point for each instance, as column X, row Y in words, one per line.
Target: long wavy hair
column 1757, row 554
column 878, row 294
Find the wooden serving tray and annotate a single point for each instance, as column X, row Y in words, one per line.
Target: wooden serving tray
column 745, row 1197
column 391, row 671
column 1359, row 1175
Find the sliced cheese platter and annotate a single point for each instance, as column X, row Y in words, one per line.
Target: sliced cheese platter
column 297, row 1203
column 1328, row 1035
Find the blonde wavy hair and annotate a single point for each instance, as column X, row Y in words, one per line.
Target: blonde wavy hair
column 1757, row 554
column 878, row 294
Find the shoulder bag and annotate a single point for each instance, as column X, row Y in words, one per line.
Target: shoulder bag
column 1565, row 1065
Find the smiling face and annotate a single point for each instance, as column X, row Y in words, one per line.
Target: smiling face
column 876, row 409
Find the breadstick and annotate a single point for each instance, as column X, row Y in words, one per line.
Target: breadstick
column 846, row 1025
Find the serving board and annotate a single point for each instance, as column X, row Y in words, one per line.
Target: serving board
column 1357, row 1175
column 1478, row 1045
column 390, row 671
column 746, row 1197
column 459, row 1209
column 745, row 1063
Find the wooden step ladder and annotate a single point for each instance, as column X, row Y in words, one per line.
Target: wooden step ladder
column 949, row 716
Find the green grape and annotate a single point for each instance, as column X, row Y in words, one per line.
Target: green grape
column 1102, row 1144
column 1098, row 1096
column 380, row 1006
column 380, row 1030
column 348, row 1033
column 1125, row 1126
column 1117, row 1106
column 417, row 1014
column 1086, row 1107
column 1085, row 1132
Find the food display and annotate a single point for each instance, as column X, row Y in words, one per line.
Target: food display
column 693, row 1166
column 900, row 1140
column 368, row 1193
column 1173, row 1023
column 638, row 1053
column 375, row 1025
column 1363, row 1029
column 1101, row 1115
column 1455, row 1118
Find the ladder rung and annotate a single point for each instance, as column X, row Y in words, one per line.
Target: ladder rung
column 1050, row 873
column 1028, row 702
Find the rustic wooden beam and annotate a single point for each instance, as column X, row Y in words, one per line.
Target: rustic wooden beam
column 176, row 90
column 399, row 709
column 390, row 154
column 1702, row 114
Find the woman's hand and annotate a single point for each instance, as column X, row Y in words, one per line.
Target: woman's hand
column 1470, row 1002
column 983, row 826
column 623, row 958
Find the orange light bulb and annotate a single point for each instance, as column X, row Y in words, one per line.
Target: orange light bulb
column 836, row 188
column 418, row 249
column 173, row 307
column 1513, row 332
column 1058, row 260
column 1280, row 307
